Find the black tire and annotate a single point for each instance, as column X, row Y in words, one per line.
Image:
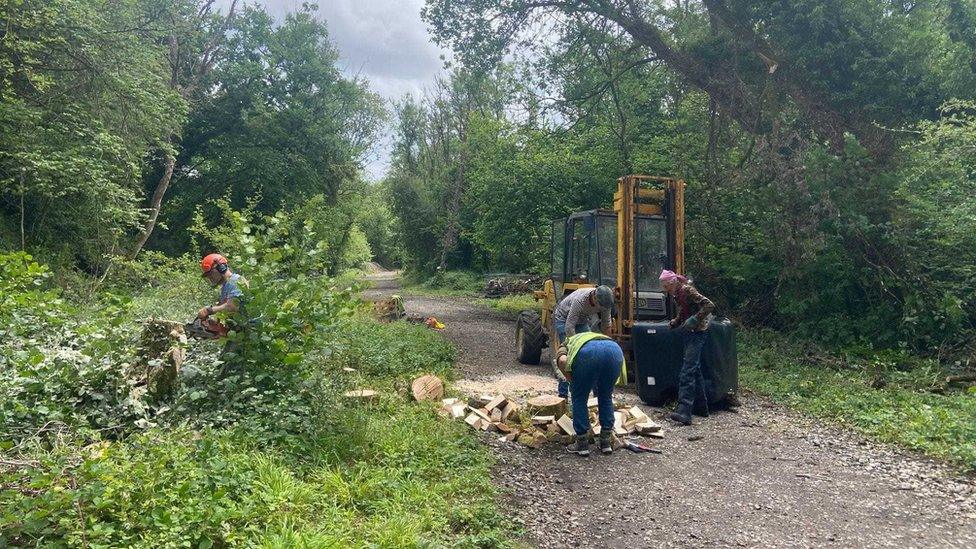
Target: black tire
column 530, row 338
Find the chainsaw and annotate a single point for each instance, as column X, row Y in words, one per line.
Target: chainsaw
column 205, row 329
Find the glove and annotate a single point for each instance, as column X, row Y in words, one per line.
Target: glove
column 204, row 313
column 691, row 323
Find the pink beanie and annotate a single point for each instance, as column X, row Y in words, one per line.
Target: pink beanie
column 667, row 276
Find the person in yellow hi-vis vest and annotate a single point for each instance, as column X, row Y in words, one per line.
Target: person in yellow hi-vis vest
column 591, row 361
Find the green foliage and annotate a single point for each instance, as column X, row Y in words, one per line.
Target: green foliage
column 270, row 454
column 280, row 126
column 84, row 97
column 910, row 408
column 512, row 305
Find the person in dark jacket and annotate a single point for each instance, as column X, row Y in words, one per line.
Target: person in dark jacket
column 694, row 313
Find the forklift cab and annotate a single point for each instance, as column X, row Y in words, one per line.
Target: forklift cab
column 585, row 252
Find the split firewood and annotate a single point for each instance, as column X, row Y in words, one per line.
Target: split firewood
column 542, row 420
column 593, row 402
column 448, row 402
column 482, row 413
column 427, row 387
column 474, row 421
column 479, row 401
column 458, row 410
column 637, row 413
column 365, row 395
column 647, row 428
column 496, row 415
column 566, row 424
column 509, row 410
column 504, row 427
column 496, row 402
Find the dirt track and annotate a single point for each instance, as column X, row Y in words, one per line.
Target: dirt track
column 762, row 477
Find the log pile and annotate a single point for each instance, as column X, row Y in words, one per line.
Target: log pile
column 513, row 285
column 543, row 418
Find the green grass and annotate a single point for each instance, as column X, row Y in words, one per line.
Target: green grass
column 383, row 474
column 448, row 284
column 512, row 305
column 904, row 411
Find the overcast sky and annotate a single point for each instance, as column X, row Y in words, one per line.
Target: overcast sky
column 383, row 41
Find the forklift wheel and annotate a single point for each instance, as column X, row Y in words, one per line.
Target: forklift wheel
column 529, row 337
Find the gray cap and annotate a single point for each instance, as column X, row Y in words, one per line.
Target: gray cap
column 604, row 297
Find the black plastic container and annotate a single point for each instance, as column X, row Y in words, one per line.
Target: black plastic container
column 659, row 353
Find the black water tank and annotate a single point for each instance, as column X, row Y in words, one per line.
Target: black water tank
column 659, row 353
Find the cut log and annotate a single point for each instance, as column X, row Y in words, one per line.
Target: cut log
column 547, row 405
column 542, row 420
column 566, row 424
column 365, row 395
column 496, row 402
column 428, row 387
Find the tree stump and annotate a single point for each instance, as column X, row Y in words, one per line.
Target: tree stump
column 154, row 374
column 547, row 405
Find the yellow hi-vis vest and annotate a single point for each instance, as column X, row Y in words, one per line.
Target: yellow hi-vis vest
column 575, row 342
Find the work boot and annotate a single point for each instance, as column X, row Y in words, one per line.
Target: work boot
column 606, row 443
column 680, row 416
column 581, row 446
column 701, row 409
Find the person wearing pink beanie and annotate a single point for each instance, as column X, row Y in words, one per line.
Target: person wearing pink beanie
column 694, row 314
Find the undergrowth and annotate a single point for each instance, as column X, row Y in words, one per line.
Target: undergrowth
column 512, row 305
column 890, row 396
column 270, row 455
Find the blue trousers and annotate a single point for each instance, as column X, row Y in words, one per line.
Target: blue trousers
column 691, row 383
column 596, row 368
column 562, row 387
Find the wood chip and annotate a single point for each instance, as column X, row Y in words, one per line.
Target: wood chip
column 428, row 387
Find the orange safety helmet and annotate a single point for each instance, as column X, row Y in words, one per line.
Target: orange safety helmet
column 213, row 261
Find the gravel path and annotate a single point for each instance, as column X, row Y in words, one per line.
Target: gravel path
column 762, row 477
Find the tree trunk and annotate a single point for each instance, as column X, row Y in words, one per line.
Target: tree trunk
column 154, row 206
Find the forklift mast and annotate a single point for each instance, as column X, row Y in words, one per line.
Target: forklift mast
column 644, row 196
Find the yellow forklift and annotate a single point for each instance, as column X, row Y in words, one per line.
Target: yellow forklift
column 626, row 248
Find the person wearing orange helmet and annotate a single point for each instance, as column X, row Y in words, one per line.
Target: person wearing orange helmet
column 216, row 269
